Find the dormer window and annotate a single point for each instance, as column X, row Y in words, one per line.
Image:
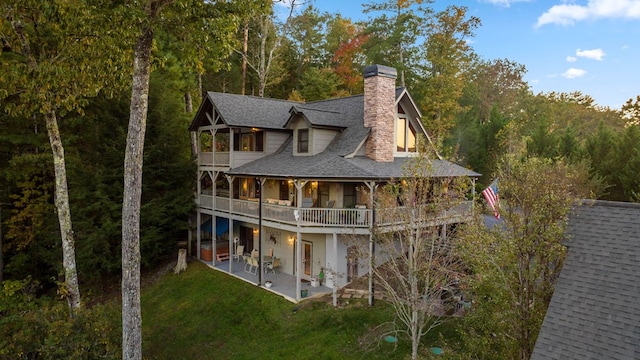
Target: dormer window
column 303, row 140
column 405, row 135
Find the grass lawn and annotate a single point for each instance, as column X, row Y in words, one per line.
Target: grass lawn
column 205, row 314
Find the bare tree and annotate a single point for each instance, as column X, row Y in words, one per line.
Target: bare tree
column 413, row 262
column 269, row 42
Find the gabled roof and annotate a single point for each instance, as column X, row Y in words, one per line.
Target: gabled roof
column 344, row 114
column 245, row 111
column 595, row 310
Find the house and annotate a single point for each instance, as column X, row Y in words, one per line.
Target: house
column 297, row 178
column 594, row 312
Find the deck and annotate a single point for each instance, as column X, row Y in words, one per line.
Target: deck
column 283, row 284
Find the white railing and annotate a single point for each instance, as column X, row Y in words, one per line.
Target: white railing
column 205, row 201
column 222, row 158
column 205, row 158
column 425, row 213
column 208, row 158
column 222, row 203
column 326, row 217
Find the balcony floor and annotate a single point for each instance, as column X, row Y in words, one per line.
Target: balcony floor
column 283, row 284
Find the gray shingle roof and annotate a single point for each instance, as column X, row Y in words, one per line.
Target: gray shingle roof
column 595, row 310
column 345, row 114
column 331, row 165
column 247, row 111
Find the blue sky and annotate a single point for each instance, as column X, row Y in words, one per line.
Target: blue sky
column 592, row 46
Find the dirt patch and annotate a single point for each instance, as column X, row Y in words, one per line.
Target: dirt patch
column 109, row 289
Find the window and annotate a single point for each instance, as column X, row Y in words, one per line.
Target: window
column 349, row 195
column 405, row 136
column 303, row 140
column 248, row 141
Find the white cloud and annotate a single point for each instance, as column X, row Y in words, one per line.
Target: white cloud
column 571, row 58
column 573, row 73
column 595, row 54
column 625, row 47
column 568, row 14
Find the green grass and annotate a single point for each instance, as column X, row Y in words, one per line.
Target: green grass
column 205, row 314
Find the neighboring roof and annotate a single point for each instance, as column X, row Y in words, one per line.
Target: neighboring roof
column 595, row 310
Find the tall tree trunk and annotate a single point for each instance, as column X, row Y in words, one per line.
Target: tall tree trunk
column 188, row 102
column 61, row 189
column 245, row 49
column 188, row 108
column 131, row 314
column 64, row 213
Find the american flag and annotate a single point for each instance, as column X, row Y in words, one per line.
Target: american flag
column 491, row 195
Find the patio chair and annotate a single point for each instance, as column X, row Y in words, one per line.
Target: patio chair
column 252, row 266
column 239, row 253
column 274, row 265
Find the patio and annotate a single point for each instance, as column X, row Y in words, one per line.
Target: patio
column 283, row 284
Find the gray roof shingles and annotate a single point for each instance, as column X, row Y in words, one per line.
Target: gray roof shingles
column 595, row 310
column 345, row 114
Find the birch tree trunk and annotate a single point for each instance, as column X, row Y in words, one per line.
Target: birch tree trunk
column 131, row 313
column 64, row 213
column 245, row 49
column 61, row 189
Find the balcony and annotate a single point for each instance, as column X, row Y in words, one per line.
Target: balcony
column 207, row 159
column 330, row 217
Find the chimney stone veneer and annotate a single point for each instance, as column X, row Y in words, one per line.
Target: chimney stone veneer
column 380, row 111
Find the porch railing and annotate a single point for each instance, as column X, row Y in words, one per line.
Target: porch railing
column 208, row 158
column 329, row 217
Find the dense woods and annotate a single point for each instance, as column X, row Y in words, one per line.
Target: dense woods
column 65, row 83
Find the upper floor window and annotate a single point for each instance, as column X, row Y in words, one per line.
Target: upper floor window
column 249, row 141
column 405, row 136
column 303, row 140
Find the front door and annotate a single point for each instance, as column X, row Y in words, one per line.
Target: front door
column 307, row 259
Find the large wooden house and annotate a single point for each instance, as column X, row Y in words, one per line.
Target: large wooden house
column 294, row 179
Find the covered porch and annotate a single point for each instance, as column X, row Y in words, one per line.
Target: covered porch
column 283, row 284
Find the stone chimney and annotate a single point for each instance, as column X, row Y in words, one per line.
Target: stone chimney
column 380, row 111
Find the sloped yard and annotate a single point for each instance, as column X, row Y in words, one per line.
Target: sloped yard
column 205, row 314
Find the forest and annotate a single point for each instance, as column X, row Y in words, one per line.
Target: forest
column 68, row 67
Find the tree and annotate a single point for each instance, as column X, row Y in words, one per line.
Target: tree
column 269, row 40
column 145, row 18
column 414, row 262
column 393, row 33
column 319, row 84
column 55, row 56
column 515, row 265
column 631, row 111
column 447, row 54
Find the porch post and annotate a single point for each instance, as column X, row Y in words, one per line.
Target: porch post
column 260, row 182
column 372, row 247
column 298, row 255
column 230, row 181
column 333, row 271
column 198, row 213
column 473, row 193
column 198, row 233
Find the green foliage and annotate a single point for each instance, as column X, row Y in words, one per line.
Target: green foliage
column 319, row 84
column 447, row 54
column 31, row 235
column 517, row 263
column 33, row 328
